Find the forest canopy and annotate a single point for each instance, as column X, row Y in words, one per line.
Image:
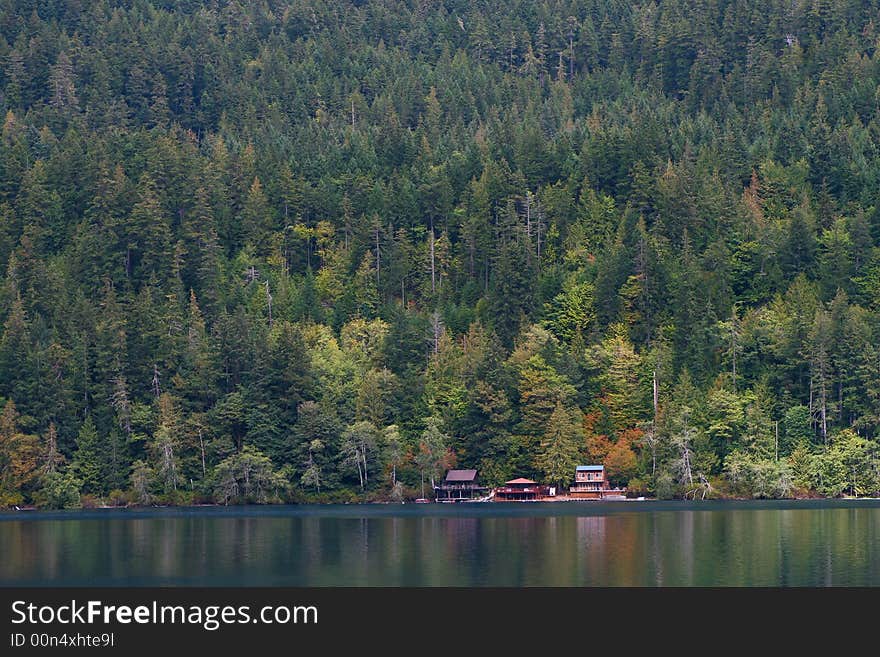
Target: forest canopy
column 323, row 251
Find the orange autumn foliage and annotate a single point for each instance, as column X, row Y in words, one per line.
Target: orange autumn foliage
column 617, row 455
column 598, row 444
column 19, row 452
column 621, row 463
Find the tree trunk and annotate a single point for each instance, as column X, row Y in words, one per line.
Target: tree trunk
column 269, row 302
column 733, row 345
column 431, row 239
column 364, row 457
column 156, row 389
column 435, row 327
column 529, row 224
column 777, row 439
column 656, row 399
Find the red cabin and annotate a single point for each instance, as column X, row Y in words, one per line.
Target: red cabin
column 520, row 490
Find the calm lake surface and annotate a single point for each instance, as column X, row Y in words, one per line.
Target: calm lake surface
column 797, row 543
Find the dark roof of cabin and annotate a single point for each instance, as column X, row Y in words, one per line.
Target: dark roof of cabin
column 461, row 475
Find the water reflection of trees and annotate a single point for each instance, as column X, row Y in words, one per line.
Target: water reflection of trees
column 828, row 546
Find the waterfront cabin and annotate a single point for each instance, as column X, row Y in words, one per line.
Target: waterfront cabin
column 520, row 490
column 590, row 482
column 459, row 485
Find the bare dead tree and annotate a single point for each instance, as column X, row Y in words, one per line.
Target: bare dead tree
column 156, row 389
column 431, row 246
column 269, row 302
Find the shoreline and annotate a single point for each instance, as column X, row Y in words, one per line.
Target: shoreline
column 432, row 503
column 390, row 510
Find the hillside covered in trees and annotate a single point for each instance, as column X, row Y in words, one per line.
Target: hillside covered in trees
column 310, row 250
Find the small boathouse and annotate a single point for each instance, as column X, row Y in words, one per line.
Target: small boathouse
column 459, row 485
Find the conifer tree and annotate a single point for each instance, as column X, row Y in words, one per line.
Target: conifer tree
column 89, row 459
column 561, row 445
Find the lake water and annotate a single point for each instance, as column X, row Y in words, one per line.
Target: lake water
column 795, row 543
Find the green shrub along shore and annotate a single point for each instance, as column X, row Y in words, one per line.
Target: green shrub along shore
column 324, row 251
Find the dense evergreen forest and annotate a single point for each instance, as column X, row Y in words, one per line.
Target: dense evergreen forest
column 321, row 251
